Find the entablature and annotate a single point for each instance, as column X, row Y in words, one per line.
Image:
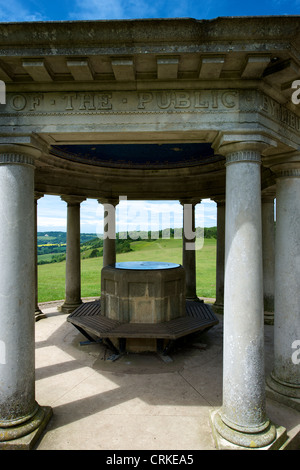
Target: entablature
column 147, row 82
column 154, row 115
column 152, row 54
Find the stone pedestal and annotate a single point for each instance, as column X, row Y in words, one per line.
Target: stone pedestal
column 137, row 292
column 73, row 274
column 242, row 419
column 20, row 414
column 285, row 378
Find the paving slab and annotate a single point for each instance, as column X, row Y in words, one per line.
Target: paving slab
column 137, row 402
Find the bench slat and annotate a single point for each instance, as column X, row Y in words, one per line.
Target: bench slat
column 88, row 317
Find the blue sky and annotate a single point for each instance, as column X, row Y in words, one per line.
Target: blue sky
column 131, row 215
column 42, row 10
column 144, row 215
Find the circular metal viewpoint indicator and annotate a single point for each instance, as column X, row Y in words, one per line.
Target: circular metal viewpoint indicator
column 135, row 265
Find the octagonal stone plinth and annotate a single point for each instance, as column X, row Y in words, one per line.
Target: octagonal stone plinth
column 143, row 292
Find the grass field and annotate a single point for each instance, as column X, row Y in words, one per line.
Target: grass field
column 51, row 277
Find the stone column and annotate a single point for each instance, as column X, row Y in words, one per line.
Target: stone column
column 242, row 419
column 73, row 274
column 285, row 378
column 38, row 312
column 109, row 235
column 219, row 303
column 268, row 233
column 20, row 415
column 189, row 247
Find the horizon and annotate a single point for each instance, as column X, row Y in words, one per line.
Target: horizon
column 130, row 215
column 94, row 233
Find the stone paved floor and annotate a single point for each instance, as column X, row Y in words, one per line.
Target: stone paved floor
column 138, row 402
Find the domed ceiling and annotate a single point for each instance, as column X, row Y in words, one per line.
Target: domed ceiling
column 138, row 156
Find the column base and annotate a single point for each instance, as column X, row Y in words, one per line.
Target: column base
column 38, row 314
column 226, row 438
column 269, row 318
column 283, row 392
column 218, row 308
column 69, row 307
column 193, row 298
column 24, row 436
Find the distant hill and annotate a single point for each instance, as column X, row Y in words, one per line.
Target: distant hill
column 61, row 237
column 52, row 245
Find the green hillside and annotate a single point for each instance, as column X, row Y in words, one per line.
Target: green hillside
column 52, row 246
column 51, row 277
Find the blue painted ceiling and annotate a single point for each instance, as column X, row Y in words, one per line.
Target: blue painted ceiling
column 138, row 156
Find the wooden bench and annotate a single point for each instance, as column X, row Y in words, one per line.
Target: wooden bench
column 88, row 320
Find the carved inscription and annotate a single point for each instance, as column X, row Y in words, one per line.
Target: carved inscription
column 186, row 99
column 120, row 102
column 88, row 101
column 281, row 114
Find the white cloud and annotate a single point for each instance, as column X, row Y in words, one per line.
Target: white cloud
column 98, row 9
column 15, row 10
column 131, row 215
column 51, row 223
column 126, row 9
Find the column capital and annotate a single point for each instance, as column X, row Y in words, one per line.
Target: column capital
column 38, row 195
column 109, row 200
column 242, row 147
column 19, row 154
column 267, row 198
column 73, row 200
column 220, row 199
column 252, row 156
column 190, row 200
column 286, row 173
column 284, row 165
